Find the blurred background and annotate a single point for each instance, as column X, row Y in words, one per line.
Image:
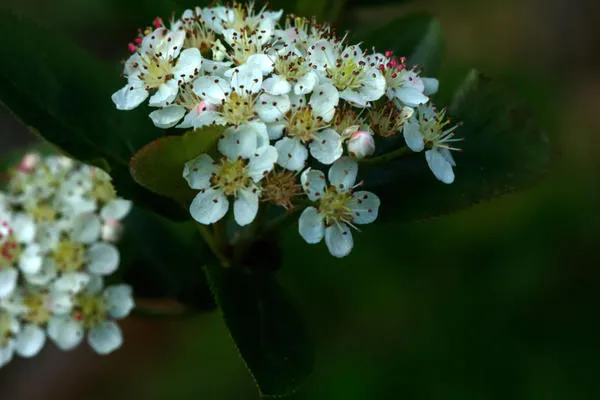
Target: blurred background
column 497, row 302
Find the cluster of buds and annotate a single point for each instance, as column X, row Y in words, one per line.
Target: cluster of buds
column 59, row 221
column 290, row 95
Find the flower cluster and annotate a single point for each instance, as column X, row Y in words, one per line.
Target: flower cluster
column 58, row 224
column 289, row 94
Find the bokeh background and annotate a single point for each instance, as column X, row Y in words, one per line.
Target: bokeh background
column 497, row 302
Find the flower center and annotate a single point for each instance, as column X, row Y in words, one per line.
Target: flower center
column 231, row 177
column 388, row 120
column 6, row 328
column 280, row 188
column 198, row 36
column 238, row 109
column 90, row 310
column 37, row 311
column 304, row 124
column 347, row 74
column 156, row 70
column 291, row 67
column 434, row 135
column 9, row 248
column 333, row 206
column 69, row 256
column 42, row 212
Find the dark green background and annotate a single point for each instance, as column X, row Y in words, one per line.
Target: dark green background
column 497, row 302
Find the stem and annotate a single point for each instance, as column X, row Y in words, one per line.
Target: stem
column 386, row 157
column 213, row 244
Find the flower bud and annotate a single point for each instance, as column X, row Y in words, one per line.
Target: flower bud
column 29, row 162
column 361, row 144
column 112, row 230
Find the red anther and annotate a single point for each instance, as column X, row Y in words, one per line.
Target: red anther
column 132, row 48
column 393, row 63
column 381, row 67
column 138, row 40
column 389, row 53
column 394, row 75
column 158, row 22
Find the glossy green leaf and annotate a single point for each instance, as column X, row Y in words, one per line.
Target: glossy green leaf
column 268, row 331
column 504, row 150
column 158, row 166
column 63, row 94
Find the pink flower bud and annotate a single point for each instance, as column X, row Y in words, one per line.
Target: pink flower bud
column 361, row 144
column 131, row 47
column 112, row 230
column 29, row 162
column 158, row 22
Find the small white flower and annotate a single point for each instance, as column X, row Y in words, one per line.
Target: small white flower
column 9, row 328
column 338, row 207
column 428, row 131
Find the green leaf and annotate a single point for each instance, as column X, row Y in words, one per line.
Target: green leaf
column 63, row 94
column 267, row 329
column 158, row 166
column 504, row 150
column 417, row 37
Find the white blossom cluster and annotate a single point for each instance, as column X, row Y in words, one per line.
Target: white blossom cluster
column 289, row 93
column 58, row 224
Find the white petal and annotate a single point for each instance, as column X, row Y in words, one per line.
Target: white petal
column 311, row 225
column 65, row 332
column 24, row 228
column 30, row 340
column 238, row 141
column 209, row 206
column 245, row 207
column 354, row 97
column 313, row 183
column 116, row 209
column 447, row 154
column 196, row 120
column 43, row 277
column 130, row 96
column 326, row 146
column 166, row 93
column 31, row 259
column 102, row 259
column 188, row 64
column 8, row 281
column 297, row 101
column 272, row 108
column 119, row 300
column 198, row 171
column 364, row 206
column 275, row 131
column 342, row 173
column 262, row 163
column 246, row 80
column 440, row 167
column 167, row 117
column 262, row 62
column 322, row 54
column 306, row 83
column 72, row 282
column 339, row 240
column 105, row 337
column 410, row 96
column 292, row 153
column 48, row 236
column 323, row 100
column 7, row 353
column 373, row 86
column 86, row 228
column 276, row 85
column 60, row 302
column 431, row 86
column 412, row 136
column 211, row 88
column 175, row 44
column 95, row 285
column 215, row 67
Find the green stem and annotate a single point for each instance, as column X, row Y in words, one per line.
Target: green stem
column 213, row 244
column 386, row 157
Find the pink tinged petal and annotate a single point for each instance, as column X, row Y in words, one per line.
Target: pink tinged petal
column 275, row 131
column 130, row 96
column 306, row 83
column 119, row 300
column 322, row 54
column 271, row 108
column 212, row 89
column 198, row 171
column 102, row 259
column 292, row 153
column 440, row 167
column 188, row 65
column 167, row 117
column 24, row 228
column 412, row 136
column 8, row 281
column 410, row 96
column 262, row 163
column 313, row 183
column 166, row 93
column 86, row 228
column 276, row 85
column 245, row 206
column 323, row 100
column 342, row 173
column 361, row 144
column 311, row 225
column 209, row 206
column 430, row 86
column 339, row 240
column 246, row 80
column 116, row 209
column 326, row 146
column 262, row 62
column 30, row 341
column 364, row 206
column 66, row 332
column 105, row 337
column 31, row 260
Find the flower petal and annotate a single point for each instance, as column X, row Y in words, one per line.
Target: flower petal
column 311, row 225
column 119, row 300
column 326, row 146
column 306, row 83
column 364, row 206
column 102, row 259
column 167, row 117
column 166, row 93
column 272, row 108
column 342, row 173
column 276, row 85
column 412, row 136
column 31, row 259
column 323, row 100
column 209, row 206
column 262, row 163
column 410, row 96
column 275, row 131
column 24, row 228
column 292, row 153
column 245, row 206
column 116, row 209
column 86, row 228
column 431, row 86
column 339, row 240
column 239, row 141
column 130, row 96
column 197, row 172
column 440, row 167
column 211, row 88
column 262, row 62
column 72, row 282
column 188, row 64
column 105, row 337
column 66, row 332
column 30, row 340
column 313, row 183
column 246, row 80
column 322, row 55
column 8, row 281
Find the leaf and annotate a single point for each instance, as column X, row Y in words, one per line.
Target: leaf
column 311, row 8
column 158, row 166
column 417, row 37
column 267, row 329
column 63, row 94
column 504, row 150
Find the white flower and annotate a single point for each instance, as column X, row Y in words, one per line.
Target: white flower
column 240, row 18
column 349, row 70
column 9, row 256
column 235, row 175
column 306, row 124
column 428, row 130
column 361, row 144
column 94, row 312
column 9, row 328
column 338, row 207
column 158, row 65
